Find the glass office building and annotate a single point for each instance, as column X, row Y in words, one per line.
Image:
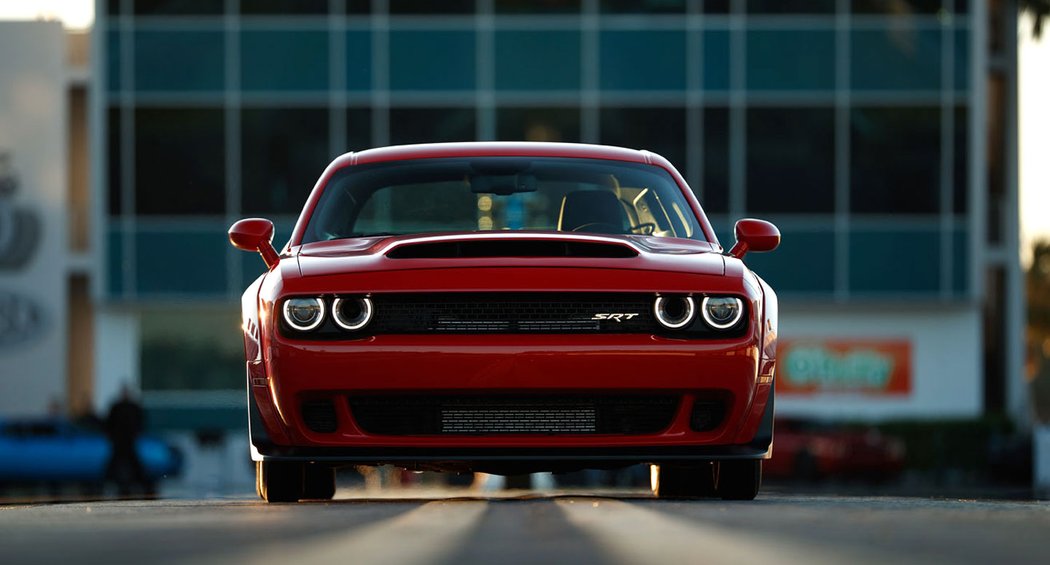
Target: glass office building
column 874, row 133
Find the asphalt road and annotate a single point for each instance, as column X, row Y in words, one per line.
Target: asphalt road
column 548, row 528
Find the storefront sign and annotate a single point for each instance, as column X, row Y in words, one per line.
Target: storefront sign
column 865, row 366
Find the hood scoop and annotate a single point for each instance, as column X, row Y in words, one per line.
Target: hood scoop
column 475, row 249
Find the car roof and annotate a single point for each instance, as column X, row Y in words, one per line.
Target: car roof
column 494, row 149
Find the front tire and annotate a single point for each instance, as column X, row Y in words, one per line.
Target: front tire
column 739, row 479
column 695, row 481
column 318, row 482
column 279, row 481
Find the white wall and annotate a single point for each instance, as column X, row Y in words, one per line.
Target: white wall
column 116, row 354
column 946, row 363
column 34, row 253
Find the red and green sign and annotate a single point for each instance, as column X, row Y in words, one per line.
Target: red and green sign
column 865, row 366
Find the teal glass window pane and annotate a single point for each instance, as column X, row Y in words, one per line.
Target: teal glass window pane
column 960, row 261
column 113, row 60
column 538, row 124
column 181, row 262
column 642, row 6
column 962, row 59
column 186, row 348
column 538, row 60
column 643, row 60
column 358, row 129
column 251, row 267
column 790, row 160
column 889, row 262
column 283, row 151
column 179, row 7
column 284, row 60
column 899, row 57
column 660, row 130
column 432, row 60
column 284, row 7
column 715, row 6
column 715, row 194
column 961, row 161
column 431, row 125
column 897, row 7
column 180, row 164
column 716, row 60
column 114, row 164
column 179, row 60
column 895, row 157
column 791, row 59
column 804, row 262
column 790, row 7
column 358, row 7
column 533, row 7
column 115, row 261
column 358, row 61
column 431, row 7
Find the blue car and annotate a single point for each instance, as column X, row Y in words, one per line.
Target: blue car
column 55, row 450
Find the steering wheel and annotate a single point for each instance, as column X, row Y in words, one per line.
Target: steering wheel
column 644, row 229
column 599, row 227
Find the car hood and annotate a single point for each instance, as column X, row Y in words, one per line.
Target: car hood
column 503, row 249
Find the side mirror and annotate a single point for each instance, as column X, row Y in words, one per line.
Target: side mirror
column 255, row 234
column 754, row 235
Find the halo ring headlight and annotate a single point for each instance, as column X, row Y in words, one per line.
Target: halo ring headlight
column 722, row 312
column 665, row 310
column 357, row 321
column 303, row 314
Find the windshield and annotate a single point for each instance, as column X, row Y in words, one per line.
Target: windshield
column 502, row 193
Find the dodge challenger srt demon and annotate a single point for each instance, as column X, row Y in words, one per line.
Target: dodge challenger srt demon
column 508, row 308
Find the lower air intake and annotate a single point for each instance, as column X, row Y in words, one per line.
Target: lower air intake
column 319, row 416
column 482, row 415
column 707, row 415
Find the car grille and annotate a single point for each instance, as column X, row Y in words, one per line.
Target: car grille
column 513, row 313
column 517, row 414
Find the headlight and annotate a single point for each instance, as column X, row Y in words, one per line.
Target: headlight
column 722, row 312
column 303, row 314
column 352, row 314
column 674, row 312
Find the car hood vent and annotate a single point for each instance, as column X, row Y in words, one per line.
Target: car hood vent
column 511, row 248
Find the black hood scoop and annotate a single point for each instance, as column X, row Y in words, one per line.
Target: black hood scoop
column 485, row 248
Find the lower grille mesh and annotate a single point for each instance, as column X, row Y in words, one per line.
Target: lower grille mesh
column 450, row 415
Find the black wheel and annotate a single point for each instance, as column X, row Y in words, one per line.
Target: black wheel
column 281, row 481
column 672, row 481
column 318, row 482
column 739, row 480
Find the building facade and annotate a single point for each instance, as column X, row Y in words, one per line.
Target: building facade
column 879, row 135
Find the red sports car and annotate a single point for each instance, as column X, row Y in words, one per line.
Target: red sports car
column 811, row 450
column 508, row 308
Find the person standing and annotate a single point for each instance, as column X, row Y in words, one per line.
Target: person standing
column 123, row 425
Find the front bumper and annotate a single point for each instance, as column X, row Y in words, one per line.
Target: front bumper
column 297, row 371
